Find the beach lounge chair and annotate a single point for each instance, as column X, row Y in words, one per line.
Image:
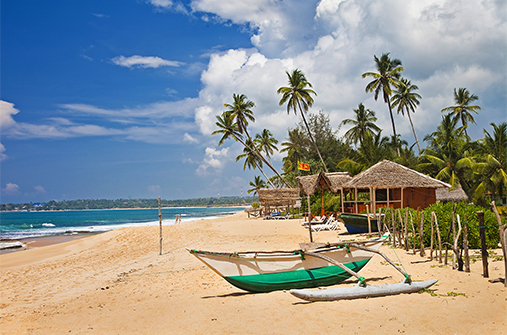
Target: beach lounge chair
column 330, row 225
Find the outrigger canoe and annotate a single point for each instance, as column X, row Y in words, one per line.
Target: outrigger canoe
column 284, row 270
column 358, row 223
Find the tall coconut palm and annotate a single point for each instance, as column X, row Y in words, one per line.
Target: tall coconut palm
column 294, row 147
column 298, row 96
column 252, row 161
column 266, row 142
column 448, row 158
column 492, row 171
column 240, row 113
column 462, row 110
column 240, row 110
column 257, row 184
column 406, row 99
column 364, row 122
column 386, row 77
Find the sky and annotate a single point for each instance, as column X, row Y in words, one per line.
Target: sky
column 104, row 99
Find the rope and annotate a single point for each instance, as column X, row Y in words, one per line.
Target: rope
column 406, row 274
column 485, row 226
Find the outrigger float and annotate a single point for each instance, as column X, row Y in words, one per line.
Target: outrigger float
column 314, row 265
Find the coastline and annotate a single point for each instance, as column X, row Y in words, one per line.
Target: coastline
column 116, row 282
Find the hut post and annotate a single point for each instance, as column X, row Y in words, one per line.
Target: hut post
column 465, row 244
column 355, row 201
column 379, row 222
column 402, row 196
column 421, row 234
column 341, row 199
column 484, row 251
column 388, row 197
column 439, row 238
column 309, row 218
column 322, row 210
column 454, row 256
column 368, row 217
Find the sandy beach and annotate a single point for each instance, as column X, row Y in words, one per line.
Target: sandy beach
column 117, row 283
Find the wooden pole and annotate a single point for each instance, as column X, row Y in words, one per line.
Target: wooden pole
column 503, row 239
column 439, row 238
column 449, row 233
column 431, row 240
column 406, row 230
column 369, row 220
column 465, row 245
column 484, row 251
column 421, row 234
column 160, row 222
column 379, row 222
column 453, row 239
column 310, row 217
column 413, row 230
column 456, row 250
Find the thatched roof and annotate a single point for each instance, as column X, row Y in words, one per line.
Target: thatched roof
column 329, row 181
column 387, row 174
column 278, row 196
column 446, row 195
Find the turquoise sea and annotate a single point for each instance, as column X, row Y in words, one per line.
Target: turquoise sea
column 22, row 225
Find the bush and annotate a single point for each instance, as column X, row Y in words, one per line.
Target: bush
column 444, row 218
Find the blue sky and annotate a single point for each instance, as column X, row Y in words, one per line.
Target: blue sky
column 117, row 99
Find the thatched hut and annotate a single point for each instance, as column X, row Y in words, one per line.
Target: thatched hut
column 279, row 198
column 446, row 195
column 388, row 184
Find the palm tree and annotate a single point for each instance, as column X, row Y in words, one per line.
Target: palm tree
column 448, row 158
column 257, row 184
column 364, row 122
column 387, row 75
column 405, row 98
column 493, row 169
column 238, row 114
column 298, row 96
column 373, row 149
column 462, row 110
column 266, row 142
column 240, row 109
column 252, row 161
column 294, row 146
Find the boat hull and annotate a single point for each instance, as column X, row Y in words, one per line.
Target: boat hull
column 358, row 223
column 265, row 272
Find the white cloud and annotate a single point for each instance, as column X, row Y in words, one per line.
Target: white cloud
column 2, row 150
column 188, row 138
column 154, row 189
column 144, row 62
column 213, row 159
column 39, row 189
column 7, row 110
column 11, row 189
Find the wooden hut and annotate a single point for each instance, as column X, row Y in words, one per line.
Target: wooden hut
column 332, row 182
column 278, row 198
column 389, row 184
column 446, row 195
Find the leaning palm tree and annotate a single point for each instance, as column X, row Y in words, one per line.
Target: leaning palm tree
column 462, row 109
column 266, row 142
column 387, row 75
column 364, row 122
column 298, row 96
column 257, row 184
column 240, row 112
column 252, row 161
column 405, row 98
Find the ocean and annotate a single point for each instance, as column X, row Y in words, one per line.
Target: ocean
column 22, row 225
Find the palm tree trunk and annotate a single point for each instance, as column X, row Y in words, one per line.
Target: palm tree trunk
column 311, row 138
column 387, row 100
column 269, row 181
column 256, row 152
column 413, row 130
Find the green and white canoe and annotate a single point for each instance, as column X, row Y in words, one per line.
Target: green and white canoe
column 284, row 270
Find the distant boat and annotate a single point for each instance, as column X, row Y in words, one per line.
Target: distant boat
column 358, row 223
column 284, row 270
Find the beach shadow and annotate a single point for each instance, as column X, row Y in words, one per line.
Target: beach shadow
column 235, row 294
column 423, row 261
